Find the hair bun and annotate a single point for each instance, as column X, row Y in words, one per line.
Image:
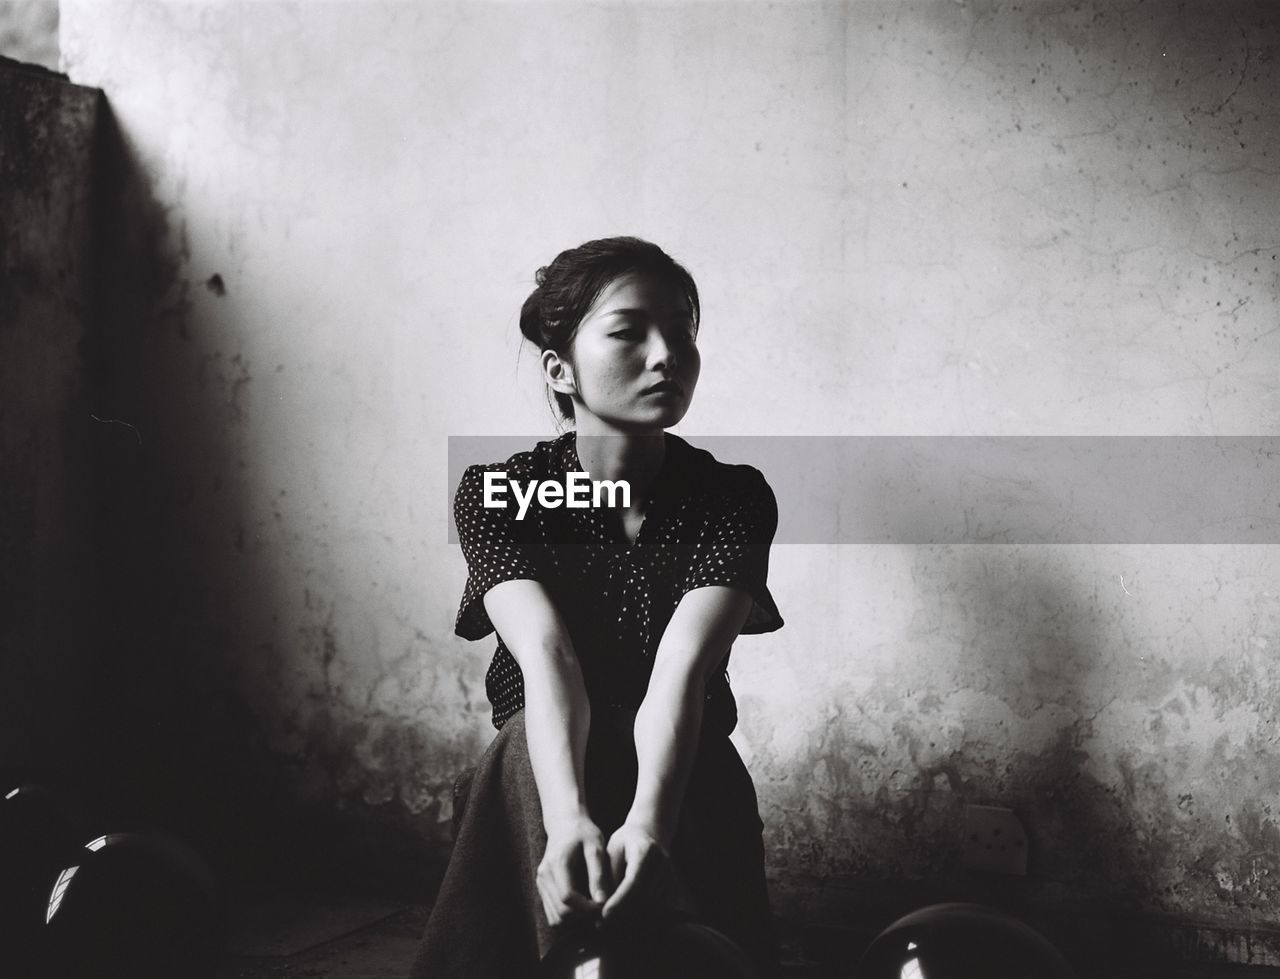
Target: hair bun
column 531, row 318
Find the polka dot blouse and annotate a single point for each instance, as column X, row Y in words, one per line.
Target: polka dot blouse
column 706, row 523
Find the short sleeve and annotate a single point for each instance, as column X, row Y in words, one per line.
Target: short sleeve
column 733, row 546
column 491, row 546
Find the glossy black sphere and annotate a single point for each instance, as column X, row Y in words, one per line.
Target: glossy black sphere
column 961, row 941
column 133, row 904
column 38, row 836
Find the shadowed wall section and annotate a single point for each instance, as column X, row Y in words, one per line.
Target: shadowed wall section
column 906, row 218
column 47, row 598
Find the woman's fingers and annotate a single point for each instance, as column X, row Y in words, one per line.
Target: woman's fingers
column 617, row 860
column 561, row 880
column 549, row 905
column 558, row 910
column 569, row 868
column 622, row 895
column 599, row 879
column 634, row 856
column 576, row 903
column 629, row 891
column 568, row 890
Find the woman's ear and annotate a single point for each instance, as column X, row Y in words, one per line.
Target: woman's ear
column 558, row 373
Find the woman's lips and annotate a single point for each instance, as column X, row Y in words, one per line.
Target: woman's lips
column 664, row 387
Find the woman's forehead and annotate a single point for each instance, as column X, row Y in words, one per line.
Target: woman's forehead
column 640, row 292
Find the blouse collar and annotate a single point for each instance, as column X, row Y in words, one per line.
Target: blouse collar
column 673, row 478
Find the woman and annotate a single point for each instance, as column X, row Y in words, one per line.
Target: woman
column 612, row 787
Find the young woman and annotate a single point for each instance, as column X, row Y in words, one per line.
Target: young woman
column 612, row 788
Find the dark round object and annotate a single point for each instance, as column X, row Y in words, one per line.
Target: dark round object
column 140, row 905
column 665, row 947
column 961, row 941
column 38, row 836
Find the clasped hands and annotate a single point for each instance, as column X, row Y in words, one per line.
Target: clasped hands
column 581, row 877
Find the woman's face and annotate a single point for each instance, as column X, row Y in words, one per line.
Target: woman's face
column 633, row 358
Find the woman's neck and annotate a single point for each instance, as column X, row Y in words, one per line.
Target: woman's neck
column 637, row 458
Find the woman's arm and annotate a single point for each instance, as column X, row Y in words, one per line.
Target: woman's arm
column 667, row 728
column 574, row 873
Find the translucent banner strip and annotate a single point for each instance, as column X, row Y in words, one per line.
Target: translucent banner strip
column 933, row 490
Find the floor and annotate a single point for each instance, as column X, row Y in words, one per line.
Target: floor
column 372, row 941
column 378, row 949
column 322, row 943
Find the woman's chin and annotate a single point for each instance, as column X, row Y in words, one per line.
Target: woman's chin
column 672, row 412
column 638, row 423
column 666, row 419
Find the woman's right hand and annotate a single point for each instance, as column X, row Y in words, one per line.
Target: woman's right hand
column 573, row 877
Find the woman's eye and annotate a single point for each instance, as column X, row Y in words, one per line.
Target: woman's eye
column 630, row 334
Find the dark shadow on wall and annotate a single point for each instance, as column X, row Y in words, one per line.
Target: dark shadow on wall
column 175, row 741
column 173, row 747
column 1039, row 646
column 46, row 136
column 1125, row 836
column 1031, row 641
column 1033, row 659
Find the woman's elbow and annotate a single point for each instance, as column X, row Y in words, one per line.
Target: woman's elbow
column 679, row 680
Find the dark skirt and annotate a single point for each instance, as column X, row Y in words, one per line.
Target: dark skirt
column 488, row 921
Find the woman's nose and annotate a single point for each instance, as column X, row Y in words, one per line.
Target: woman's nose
column 661, row 353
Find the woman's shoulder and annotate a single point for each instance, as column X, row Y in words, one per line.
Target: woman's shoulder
column 700, row 462
column 727, row 506
column 705, row 475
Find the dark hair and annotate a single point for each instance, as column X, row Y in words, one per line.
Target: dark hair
column 571, row 284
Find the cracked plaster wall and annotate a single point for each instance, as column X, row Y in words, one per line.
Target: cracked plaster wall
column 905, row 218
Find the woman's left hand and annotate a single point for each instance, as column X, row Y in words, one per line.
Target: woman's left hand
column 641, row 866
